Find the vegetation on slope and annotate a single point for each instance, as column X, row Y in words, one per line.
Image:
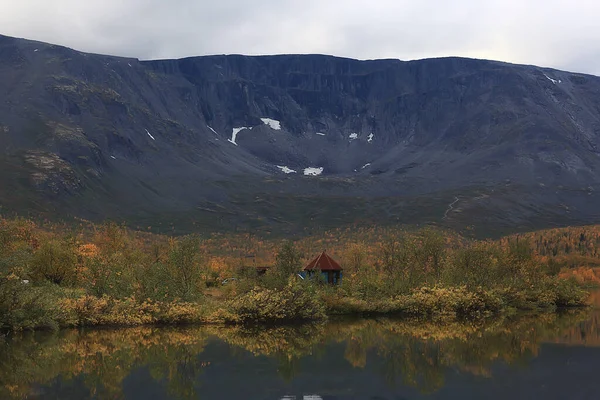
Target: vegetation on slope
column 108, row 275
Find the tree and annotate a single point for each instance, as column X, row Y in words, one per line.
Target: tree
column 288, row 260
column 185, row 261
column 55, row 261
column 395, row 255
column 431, row 253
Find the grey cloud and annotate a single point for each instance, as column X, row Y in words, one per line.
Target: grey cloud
column 557, row 33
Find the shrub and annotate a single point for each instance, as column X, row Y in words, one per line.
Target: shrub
column 569, row 293
column 55, row 261
column 457, row 301
column 177, row 313
column 26, row 307
column 292, row 303
column 184, row 264
column 105, row 310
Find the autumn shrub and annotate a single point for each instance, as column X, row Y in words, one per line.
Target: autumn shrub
column 24, row 306
column 86, row 310
column 110, row 275
column 288, row 263
column 337, row 304
column 365, row 286
column 294, row 302
column 98, row 311
column 552, row 267
column 107, row 311
column 153, row 281
column 569, row 293
column 178, row 313
column 455, row 301
column 474, row 265
column 55, row 261
column 423, row 302
column 107, row 275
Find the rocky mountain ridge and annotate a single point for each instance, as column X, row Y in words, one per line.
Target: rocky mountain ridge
column 294, row 142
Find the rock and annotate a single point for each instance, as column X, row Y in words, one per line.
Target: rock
column 104, row 136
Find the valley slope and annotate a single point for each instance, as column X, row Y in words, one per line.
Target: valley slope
column 468, row 144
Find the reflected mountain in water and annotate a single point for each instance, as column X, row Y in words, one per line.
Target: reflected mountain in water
column 338, row 360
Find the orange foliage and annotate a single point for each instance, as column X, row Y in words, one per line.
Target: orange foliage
column 88, row 250
column 583, row 275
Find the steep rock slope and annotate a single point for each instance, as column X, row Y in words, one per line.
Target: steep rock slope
column 295, row 141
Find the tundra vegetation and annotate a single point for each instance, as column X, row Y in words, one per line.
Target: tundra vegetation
column 56, row 276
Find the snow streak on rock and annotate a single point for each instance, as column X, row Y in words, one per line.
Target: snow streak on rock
column 273, row 124
column 353, row 136
column 151, row 137
column 553, row 80
column 285, row 169
column 312, row 171
column 235, row 132
column 370, row 137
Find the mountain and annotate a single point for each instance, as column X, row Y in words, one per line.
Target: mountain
column 211, row 142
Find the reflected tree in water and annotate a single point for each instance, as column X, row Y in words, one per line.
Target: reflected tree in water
column 416, row 354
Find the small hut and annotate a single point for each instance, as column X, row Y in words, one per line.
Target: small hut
column 330, row 269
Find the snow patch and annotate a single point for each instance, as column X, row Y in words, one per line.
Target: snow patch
column 235, row 132
column 113, row 157
column 353, row 136
column 151, row 137
column 320, row 134
column 365, row 166
column 370, row 137
column 553, row 80
column 312, row 171
column 129, row 65
column 36, row 50
column 215, row 132
column 273, row 124
column 285, row 169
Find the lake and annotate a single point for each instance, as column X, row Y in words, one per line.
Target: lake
column 554, row 356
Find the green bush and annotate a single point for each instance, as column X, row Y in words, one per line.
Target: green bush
column 294, row 302
column 452, row 301
column 184, row 263
column 569, row 293
column 55, row 261
column 27, row 307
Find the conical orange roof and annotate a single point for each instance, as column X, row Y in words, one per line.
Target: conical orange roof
column 324, row 263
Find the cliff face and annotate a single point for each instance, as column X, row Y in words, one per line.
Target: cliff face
column 213, row 141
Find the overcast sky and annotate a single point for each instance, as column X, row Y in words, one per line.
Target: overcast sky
column 563, row 34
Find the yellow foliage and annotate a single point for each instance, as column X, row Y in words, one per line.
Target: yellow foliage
column 88, row 250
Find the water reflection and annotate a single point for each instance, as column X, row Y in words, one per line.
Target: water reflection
column 330, row 361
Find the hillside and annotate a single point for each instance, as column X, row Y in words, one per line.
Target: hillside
column 210, row 143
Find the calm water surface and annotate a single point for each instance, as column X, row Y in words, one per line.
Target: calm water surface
column 548, row 357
